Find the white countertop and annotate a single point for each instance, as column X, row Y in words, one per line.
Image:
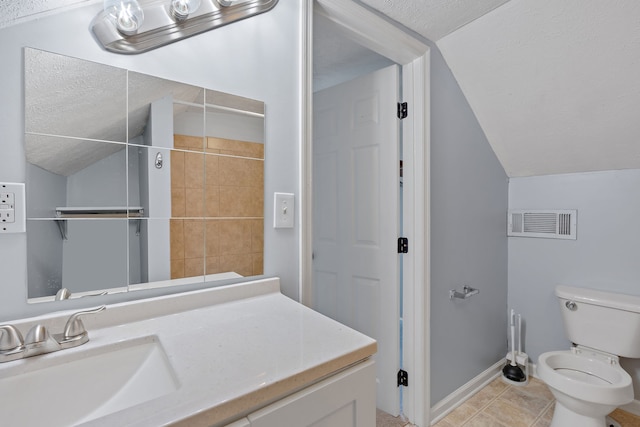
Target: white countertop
column 234, row 349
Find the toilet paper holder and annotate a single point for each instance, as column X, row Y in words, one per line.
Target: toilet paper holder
column 467, row 292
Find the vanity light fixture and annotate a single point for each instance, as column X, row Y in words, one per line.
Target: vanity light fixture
column 125, row 15
column 136, row 26
column 181, row 9
column 227, row 3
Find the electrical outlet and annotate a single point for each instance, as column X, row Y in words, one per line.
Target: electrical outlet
column 12, row 208
column 7, row 215
column 7, row 199
column 283, row 207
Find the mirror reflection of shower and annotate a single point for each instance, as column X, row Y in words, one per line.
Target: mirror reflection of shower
column 102, row 216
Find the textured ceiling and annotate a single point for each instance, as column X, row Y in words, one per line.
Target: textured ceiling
column 554, row 84
column 433, row 19
column 86, row 101
column 12, row 11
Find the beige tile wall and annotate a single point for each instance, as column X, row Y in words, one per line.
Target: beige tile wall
column 217, row 205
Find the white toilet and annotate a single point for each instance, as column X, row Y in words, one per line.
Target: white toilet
column 587, row 380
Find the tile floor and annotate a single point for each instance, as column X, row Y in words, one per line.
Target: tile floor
column 385, row 420
column 504, row 405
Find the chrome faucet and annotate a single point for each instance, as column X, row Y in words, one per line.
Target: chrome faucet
column 74, row 333
column 65, row 293
column 39, row 341
column 62, row 294
column 11, row 343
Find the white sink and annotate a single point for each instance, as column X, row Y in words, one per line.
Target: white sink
column 67, row 389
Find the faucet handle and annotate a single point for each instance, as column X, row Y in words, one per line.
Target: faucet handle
column 38, row 341
column 36, row 335
column 74, row 329
column 10, row 339
column 63, row 294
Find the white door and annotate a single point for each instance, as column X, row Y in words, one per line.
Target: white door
column 356, row 215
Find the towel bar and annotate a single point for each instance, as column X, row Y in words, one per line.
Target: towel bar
column 467, row 292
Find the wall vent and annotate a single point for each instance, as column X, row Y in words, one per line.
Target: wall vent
column 549, row 224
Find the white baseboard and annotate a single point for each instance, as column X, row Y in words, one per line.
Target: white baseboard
column 455, row 399
column 533, row 368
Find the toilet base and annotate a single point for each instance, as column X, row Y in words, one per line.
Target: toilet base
column 610, row 422
column 563, row 417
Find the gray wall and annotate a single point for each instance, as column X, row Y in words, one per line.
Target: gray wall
column 104, row 183
column 259, row 58
column 94, row 248
column 604, row 256
column 45, row 242
column 50, row 192
column 468, row 240
column 156, row 248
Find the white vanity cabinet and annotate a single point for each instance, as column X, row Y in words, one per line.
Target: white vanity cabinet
column 347, row 399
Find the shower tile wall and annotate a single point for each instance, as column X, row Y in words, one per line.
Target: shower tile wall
column 217, row 205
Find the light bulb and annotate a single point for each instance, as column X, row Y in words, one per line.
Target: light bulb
column 126, row 15
column 181, row 9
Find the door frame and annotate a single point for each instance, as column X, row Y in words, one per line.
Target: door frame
column 382, row 37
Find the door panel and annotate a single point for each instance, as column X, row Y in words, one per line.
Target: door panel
column 356, row 215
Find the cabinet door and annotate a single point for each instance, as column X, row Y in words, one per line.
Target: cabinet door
column 347, row 399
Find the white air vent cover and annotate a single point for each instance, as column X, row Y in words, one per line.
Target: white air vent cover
column 550, row 224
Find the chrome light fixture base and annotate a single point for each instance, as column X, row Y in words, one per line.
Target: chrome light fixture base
column 163, row 24
column 181, row 9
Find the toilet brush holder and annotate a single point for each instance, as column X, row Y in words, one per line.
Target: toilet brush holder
column 522, row 360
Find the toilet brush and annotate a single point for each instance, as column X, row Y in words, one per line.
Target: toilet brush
column 519, row 334
column 512, row 371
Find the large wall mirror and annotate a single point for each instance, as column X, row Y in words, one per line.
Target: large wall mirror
column 134, row 181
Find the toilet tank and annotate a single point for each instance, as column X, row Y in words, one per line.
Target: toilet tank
column 606, row 321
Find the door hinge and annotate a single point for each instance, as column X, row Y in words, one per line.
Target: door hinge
column 403, row 110
column 403, row 245
column 403, row 378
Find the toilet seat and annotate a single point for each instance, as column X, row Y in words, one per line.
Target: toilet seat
column 587, row 376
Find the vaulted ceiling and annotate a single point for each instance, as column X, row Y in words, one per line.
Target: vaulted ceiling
column 433, row 19
column 554, row 84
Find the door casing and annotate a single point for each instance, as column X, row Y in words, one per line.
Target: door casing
column 373, row 32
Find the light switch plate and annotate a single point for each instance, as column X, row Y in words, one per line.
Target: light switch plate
column 12, row 208
column 283, row 210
